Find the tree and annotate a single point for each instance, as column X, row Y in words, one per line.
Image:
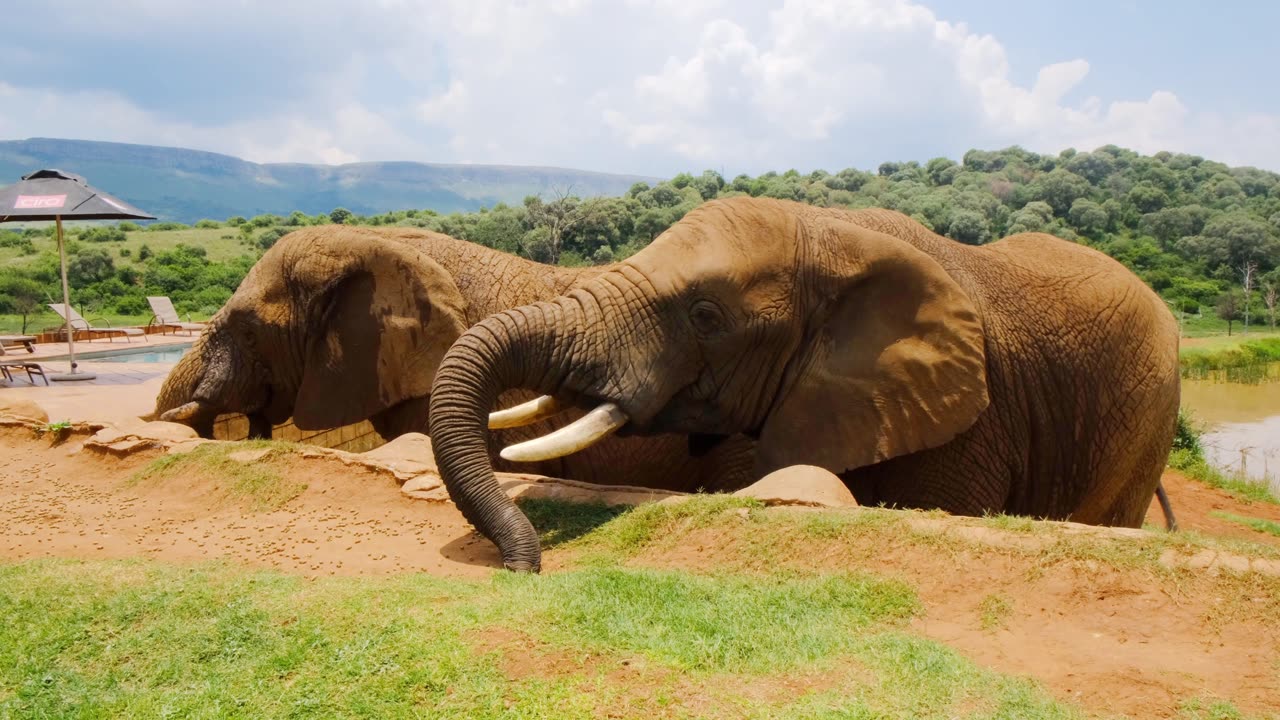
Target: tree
column 1147, row 197
column 1060, row 189
column 968, row 227
column 90, row 266
column 1088, row 217
column 1269, row 299
column 1228, row 308
column 340, row 216
column 1247, row 271
column 559, row 216
column 20, row 296
column 1033, row 217
column 1231, row 239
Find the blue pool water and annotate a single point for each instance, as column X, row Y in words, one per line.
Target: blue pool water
column 169, row 354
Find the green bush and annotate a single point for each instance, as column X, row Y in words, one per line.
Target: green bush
column 1186, row 437
column 103, row 234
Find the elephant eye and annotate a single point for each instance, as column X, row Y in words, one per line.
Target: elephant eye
column 707, row 318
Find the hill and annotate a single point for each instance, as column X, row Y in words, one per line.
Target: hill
column 187, row 185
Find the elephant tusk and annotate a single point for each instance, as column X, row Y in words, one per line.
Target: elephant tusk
column 524, row 413
column 578, row 435
column 181, row 413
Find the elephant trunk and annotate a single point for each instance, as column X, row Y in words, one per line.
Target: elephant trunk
column 526, row 348
column 213, row 377
column 177, row 400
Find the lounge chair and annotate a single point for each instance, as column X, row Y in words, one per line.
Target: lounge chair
column 165, row 316
column 32, row 369
column 80, row 325
column 14, row 340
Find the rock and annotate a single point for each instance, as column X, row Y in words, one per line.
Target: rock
column 166, row 431
column 426, row 486
column 800, row 485
column 407, row 456
column 23, row 410
column 133, row 438
column 248, row 456
column 520, row 486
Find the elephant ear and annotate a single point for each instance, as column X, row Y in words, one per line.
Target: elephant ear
column 894, row 361
column 383, row 323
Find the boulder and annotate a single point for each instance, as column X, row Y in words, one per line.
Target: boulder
column 407, row 456
column 804, row 485
column 22, row 410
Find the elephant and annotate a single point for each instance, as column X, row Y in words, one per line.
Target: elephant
column 338, row 324
column 1030, row 376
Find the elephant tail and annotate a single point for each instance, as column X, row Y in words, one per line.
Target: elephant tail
column 1170, row 522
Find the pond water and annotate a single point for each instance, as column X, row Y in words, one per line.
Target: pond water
column 1243, row 423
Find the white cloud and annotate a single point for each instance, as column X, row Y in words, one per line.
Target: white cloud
column 652, row 86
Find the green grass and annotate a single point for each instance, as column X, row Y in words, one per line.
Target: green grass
column 1248, row 359
column 213, row 240
column 1262, row 525
column 1197, row 468
column 139, row 639
column 256, row 483
column 1211, row 709
column 994, row 612
column 767, row 634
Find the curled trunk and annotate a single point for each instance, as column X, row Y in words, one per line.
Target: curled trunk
column 513, row 349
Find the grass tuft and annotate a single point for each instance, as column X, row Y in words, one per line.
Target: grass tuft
column 256, row 482
column 1262, row 525
column 994, row 612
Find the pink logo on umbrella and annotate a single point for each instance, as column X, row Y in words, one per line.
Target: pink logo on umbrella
column 39, row 202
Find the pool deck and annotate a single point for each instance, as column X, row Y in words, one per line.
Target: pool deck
column 121, row 391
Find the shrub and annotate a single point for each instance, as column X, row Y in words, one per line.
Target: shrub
column 103, row 234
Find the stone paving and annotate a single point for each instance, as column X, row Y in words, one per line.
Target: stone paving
column 120, row 392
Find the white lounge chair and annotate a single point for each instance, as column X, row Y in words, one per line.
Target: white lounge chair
column 165, row 316
column 27, row 341
column 80, row 325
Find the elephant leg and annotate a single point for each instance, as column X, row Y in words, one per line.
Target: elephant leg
column 259, row 427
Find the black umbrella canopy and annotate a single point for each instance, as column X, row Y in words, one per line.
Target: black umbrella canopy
column 50, row 194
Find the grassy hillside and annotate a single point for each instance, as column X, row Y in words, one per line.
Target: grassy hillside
column 188, row 185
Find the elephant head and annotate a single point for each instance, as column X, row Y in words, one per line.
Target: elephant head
column 825, row 335
column 333, row 325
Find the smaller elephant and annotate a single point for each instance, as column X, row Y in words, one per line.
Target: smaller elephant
column 1030, row 376
column 338, row 324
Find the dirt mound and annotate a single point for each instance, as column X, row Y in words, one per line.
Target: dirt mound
column 1204, row 509
column 1132, row 641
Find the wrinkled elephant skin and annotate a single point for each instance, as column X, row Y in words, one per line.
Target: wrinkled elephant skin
column 1031, row 375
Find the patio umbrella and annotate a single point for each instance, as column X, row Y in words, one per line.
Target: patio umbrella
column 54, row 195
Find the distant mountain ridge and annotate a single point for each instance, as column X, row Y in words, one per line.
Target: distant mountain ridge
column 185, row 185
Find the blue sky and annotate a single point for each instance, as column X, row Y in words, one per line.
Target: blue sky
column 647, row 86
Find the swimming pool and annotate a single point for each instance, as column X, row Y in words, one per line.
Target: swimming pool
column 166, row 354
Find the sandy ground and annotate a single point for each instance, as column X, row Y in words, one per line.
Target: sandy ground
column 1111, row 641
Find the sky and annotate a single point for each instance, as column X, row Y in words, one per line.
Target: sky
column 653, row 87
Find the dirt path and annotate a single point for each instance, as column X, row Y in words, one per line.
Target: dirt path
column 1113, row 642
column 349, row 521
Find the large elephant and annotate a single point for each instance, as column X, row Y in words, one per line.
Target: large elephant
column 1031, row 376
column 338, row 324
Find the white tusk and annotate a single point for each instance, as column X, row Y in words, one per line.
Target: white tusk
column 524, row 413
column 577, row 435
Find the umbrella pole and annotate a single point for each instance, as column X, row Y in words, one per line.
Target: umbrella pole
column 66, row 303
